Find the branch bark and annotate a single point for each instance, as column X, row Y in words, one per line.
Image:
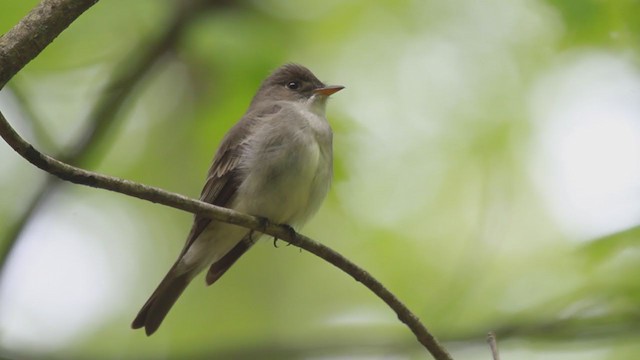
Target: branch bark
column 160, row 196
column 102, row 118
column 493, row 345
column 41, row 26
column 35, row 31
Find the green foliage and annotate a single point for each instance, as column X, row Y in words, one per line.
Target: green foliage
column 437, row 191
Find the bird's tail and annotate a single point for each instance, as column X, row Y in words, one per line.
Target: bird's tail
column 171, row 287
column 156, row 308
column 221, row 266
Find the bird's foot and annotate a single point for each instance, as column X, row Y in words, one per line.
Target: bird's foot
column 263, row 222
column 290, row 230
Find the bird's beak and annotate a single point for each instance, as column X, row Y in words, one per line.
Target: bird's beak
column 328, row 90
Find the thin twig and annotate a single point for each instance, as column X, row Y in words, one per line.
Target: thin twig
column 156, row 195
column 493, row 345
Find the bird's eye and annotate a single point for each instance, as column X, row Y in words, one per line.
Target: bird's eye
column 293, row 85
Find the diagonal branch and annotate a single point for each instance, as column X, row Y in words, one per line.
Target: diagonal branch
column 126, row 76
column 156, row 195
column 102, row 119
column 18, row 47
column 35, row 31
column 36, row 124
column 27, row 39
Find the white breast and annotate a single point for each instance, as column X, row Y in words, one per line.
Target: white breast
column 289, row 169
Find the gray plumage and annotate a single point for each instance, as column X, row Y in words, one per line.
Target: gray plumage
column 276, row 163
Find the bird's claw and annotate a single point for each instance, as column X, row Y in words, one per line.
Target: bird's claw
column 292, row 234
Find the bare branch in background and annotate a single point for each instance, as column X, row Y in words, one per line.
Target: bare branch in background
column 156, row 195
column 101, row 121
column 42, row 136
column 493, row 345
column 27, row 39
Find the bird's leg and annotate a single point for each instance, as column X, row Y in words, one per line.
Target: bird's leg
column 290, row 230
column 264, row 222
column 292, row 234
column 263, row 225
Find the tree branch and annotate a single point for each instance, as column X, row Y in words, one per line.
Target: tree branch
column 102, row 119
column 156, row 195
column 27, row 39
column 35, row 31
column 493, row 345
column 42, row 136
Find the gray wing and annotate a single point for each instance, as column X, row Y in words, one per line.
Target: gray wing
column 223, row 177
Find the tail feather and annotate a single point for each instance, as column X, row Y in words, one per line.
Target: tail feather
column 174, row 283
column 221, row 266
column 156, row 308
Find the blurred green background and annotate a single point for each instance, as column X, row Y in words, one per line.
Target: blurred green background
column 487, row 172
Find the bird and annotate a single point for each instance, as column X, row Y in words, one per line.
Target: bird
column 275, row 163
